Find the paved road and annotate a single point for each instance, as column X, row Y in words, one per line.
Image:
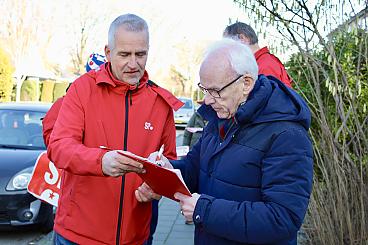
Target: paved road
column 25, row 237
column 171, row 230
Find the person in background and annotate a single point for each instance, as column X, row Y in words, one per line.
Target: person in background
column 251, row 171
column 268, row 64
column 194, row 128
column 114, row 108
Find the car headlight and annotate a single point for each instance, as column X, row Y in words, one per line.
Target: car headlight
column 20, row 180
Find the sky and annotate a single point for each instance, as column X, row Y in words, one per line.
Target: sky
column 170, row 23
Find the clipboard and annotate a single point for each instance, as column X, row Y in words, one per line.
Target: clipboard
column 163, row 181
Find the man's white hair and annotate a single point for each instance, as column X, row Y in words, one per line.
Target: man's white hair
column 131, row 22
column 241, row 58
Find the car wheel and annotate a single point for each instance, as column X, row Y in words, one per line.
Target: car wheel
column 48, row 225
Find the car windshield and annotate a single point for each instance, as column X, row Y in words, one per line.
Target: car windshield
column 188, row 104
column 21, row 129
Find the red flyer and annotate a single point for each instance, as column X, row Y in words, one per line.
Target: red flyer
column 45, row 180
column 163, row 181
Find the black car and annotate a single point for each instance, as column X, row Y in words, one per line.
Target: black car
column 21, row 142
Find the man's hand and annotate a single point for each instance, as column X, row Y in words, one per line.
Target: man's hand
column 187, row 204
column 163, row 161
column 114, row 164
column 144, row 193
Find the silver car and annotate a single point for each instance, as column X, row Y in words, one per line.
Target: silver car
column 183, row 115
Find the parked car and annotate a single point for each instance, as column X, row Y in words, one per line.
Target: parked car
column 21, row 142
column 183, row 115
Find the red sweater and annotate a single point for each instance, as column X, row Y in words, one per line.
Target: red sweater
column 269, row 64
column 99, row 110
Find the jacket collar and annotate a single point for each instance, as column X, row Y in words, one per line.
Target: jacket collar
column 261, row 52
column 105, row 76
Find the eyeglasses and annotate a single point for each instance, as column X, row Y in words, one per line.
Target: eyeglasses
column 216, row 92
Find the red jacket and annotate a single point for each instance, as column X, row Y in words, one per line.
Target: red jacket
column 269, row 64
column 99, row 110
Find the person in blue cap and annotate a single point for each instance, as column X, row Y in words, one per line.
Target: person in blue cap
column 94, row 61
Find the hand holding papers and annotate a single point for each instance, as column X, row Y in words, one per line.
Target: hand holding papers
column 144, row 193
column 165, row 182
column 115, row 164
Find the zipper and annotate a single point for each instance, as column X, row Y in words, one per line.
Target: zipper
column 121, row 202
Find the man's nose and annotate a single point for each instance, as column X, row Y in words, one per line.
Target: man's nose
column 132, row 63
column 208, row 99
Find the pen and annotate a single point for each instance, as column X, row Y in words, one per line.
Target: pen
column 159, row 154
column 105, row 148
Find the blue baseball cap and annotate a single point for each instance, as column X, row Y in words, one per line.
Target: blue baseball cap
column 94, row 61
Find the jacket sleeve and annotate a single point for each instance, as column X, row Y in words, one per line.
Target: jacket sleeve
column 66, row 147
column 189, row 167
column 286, row 188
column 169, row 137
column 188, row 135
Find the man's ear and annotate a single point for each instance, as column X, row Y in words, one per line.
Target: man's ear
column 244, row 39
column 108, row 53
column 248, row 84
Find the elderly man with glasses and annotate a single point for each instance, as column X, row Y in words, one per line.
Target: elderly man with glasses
column 251, row 171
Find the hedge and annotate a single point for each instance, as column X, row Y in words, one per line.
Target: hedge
column 59, row 90
column 47, row 91
column 28, row 91
column 6, row 82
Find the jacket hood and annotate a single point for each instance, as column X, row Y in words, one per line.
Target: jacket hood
column 270, row 100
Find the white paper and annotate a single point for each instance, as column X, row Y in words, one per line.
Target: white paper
column 193, row 130
column 182, row 150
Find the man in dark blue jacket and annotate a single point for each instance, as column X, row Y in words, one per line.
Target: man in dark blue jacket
column 253, row 165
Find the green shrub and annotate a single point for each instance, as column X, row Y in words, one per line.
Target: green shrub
column 6, row 81
column 59, row 89
column 47, row 91
column 333, row 80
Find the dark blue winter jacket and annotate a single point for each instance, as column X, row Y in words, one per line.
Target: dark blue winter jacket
column 255, row 184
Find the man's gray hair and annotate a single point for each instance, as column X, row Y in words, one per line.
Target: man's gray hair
column 233, row 31
column 240, row 56
column 131, row 22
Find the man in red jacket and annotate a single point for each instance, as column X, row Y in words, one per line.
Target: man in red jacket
column 268, row 63
column 103, row 200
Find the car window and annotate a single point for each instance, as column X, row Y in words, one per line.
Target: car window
column 21, row 128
